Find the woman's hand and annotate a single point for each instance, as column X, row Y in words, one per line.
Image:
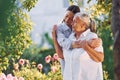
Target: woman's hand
column 95, row 55
column 76, row 44
column 83, row 43
column 79, row 44
column 95, row 42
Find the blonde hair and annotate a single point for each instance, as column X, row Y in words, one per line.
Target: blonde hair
column 85, row 18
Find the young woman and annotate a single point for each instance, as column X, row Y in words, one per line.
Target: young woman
column 62, row 31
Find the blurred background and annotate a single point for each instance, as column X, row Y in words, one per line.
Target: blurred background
column 25, row 33
column 46, row 13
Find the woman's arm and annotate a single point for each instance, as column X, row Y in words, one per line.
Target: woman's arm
column 58, row 49
column 95, row 55
column 93, row 43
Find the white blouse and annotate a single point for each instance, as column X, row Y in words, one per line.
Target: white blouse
column 78, row 64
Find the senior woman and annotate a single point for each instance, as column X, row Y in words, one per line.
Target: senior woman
column 83, row 63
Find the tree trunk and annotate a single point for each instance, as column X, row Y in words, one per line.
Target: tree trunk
column 116, row 34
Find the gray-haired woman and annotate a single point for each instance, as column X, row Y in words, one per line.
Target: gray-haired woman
column 83, row 63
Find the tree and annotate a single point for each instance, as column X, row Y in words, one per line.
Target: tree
column 15, row 27
column 116, row 34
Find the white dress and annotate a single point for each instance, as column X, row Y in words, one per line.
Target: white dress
column 79, row 65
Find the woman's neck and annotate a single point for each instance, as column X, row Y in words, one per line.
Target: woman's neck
column 77, row 35
column 70, row 26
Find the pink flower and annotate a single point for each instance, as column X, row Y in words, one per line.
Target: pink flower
column 2, row 75
column 21, row 78
column 16, row 66
column 9, row 77
column 4, row 78
column 55, row 56
column 21, row 61
column 48, row 59
column 40, row 66
column 53, row 68
column 15, row 78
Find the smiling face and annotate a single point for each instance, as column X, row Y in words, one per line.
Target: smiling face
column 78, row 25
column 68, row 19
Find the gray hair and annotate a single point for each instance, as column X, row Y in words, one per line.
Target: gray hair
column 86, row 18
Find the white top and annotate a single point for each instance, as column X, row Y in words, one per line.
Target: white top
column 63, row 33
column 78, row 64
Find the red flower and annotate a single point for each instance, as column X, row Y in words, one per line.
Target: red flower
column 21, row 61
column 55, row 56
column 40, row 66
column 48, row 59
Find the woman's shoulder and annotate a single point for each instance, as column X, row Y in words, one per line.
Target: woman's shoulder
column 72, row 36
column 60, row 26
column 93, row 35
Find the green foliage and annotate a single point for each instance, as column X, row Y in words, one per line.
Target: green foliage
column 29, row 71
column 15, row 27
column 101, row 12
column 49, row 40
column 106, row 34
column 36, row 54
column 30, row 74
column 54, row 76
column 4, row 13
column 29, row 4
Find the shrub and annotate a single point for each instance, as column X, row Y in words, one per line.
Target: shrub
column 34, row 72
column 9, row 77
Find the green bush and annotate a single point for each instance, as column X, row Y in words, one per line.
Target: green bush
column 37, row 55
column 31, row 71
column 15, row 28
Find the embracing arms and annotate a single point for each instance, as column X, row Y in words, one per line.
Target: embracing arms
column 58, row 49
column 97, row 56
column 88, row 46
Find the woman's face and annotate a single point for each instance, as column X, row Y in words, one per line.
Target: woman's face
column 78, row 25
column 68, row 19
